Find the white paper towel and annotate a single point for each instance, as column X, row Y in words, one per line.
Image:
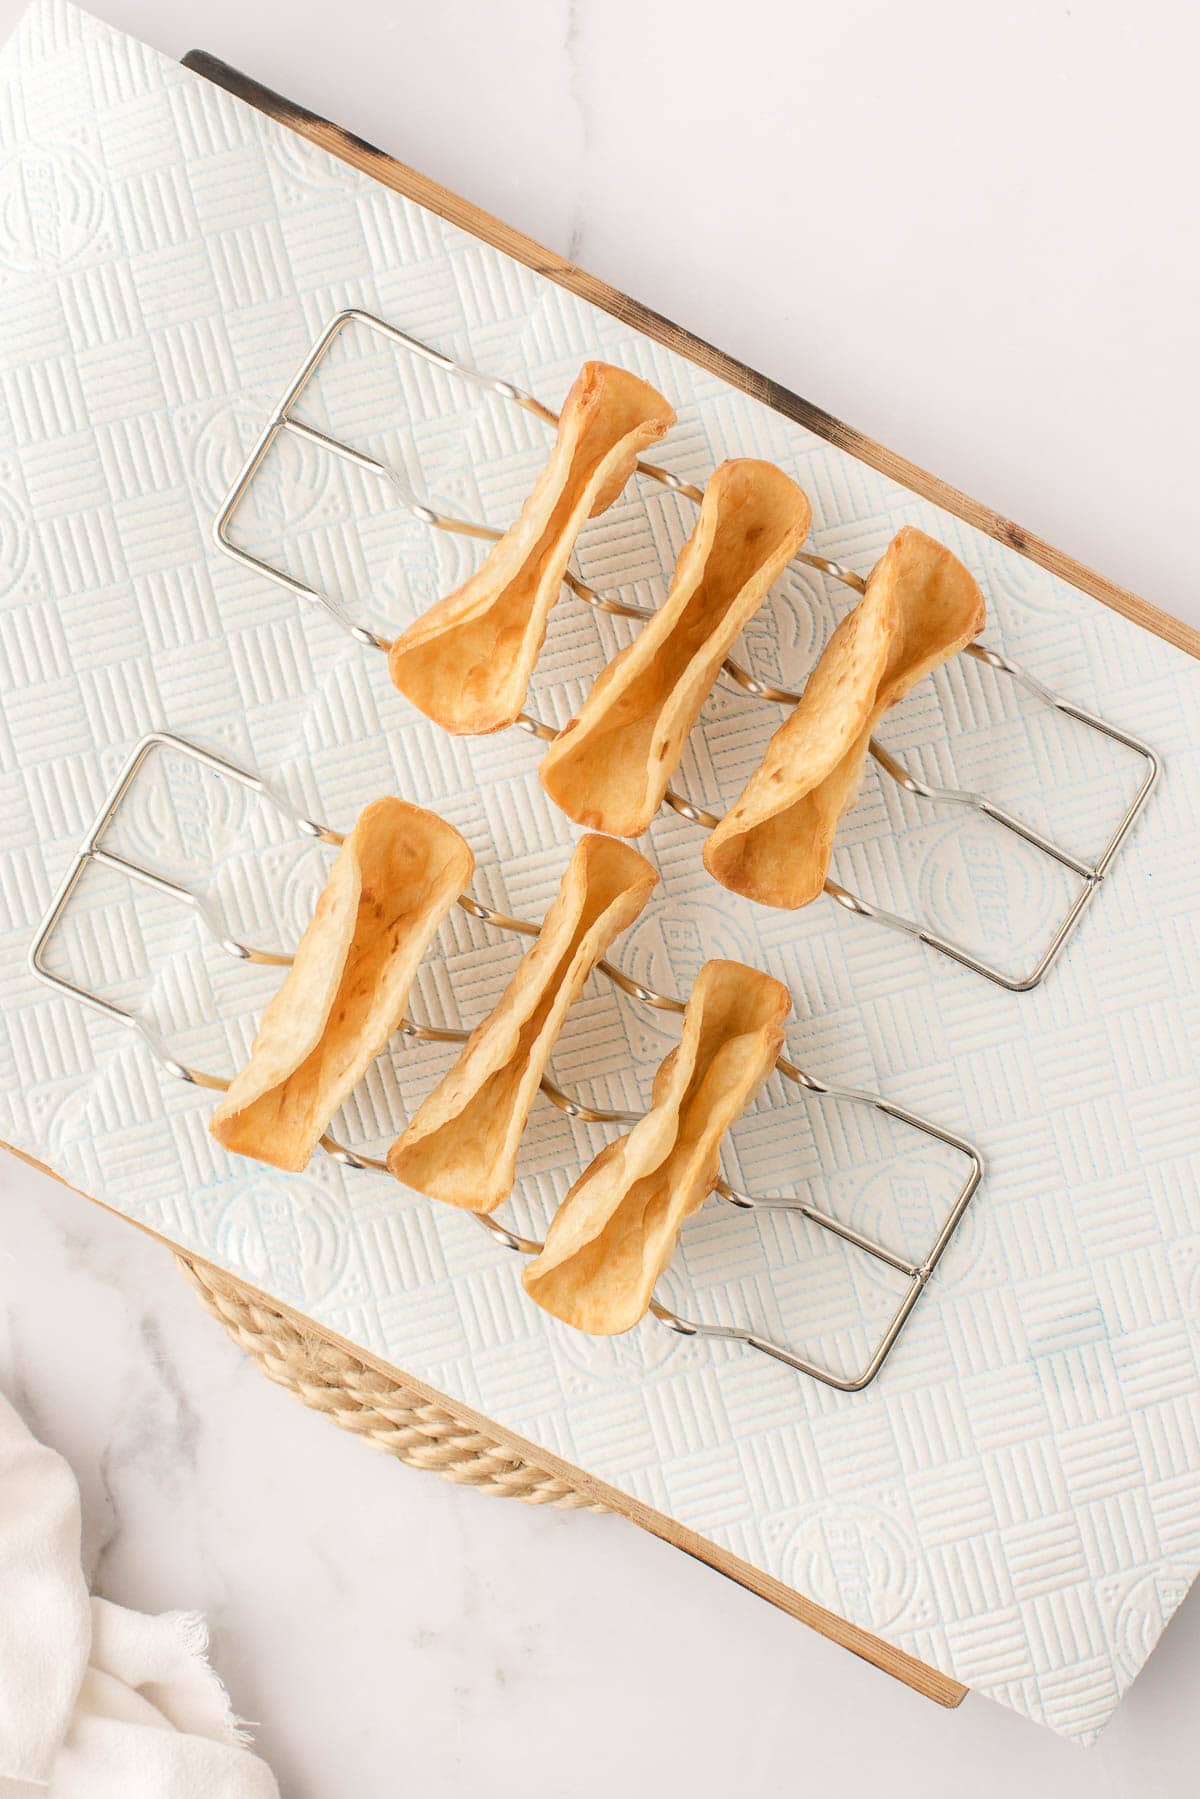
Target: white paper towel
column 1017, row 1498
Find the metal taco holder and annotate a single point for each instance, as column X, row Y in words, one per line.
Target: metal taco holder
column 92, row 851
column 1090, row 873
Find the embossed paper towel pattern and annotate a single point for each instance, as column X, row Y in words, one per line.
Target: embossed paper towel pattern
column 1017, row 1499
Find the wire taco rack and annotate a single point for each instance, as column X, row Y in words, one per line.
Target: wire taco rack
column 1089, row 872
column 95, row 852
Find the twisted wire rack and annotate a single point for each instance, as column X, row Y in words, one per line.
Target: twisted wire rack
column 94, row 852
column 1090, row 873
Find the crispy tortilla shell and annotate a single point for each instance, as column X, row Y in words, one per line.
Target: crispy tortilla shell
column 609, row 768
column 466, row 663
column 461, row 1143
column 395, row 877
column 921, row 607
column 616, row 1230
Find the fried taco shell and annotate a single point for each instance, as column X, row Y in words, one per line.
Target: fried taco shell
column 466, row 663
column 615, row 1232
column 461, row 1143
column 395, row 877
column 609, row 768
column 921, row 607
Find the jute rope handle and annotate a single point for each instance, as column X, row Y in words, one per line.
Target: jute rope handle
column 377, row 1408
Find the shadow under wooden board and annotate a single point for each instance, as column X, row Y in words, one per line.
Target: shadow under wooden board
column 419, row 188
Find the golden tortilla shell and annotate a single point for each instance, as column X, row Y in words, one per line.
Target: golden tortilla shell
column 461, row 1143
column 921, row 607
column 466, row 663
column 617, row 1228
column 395, row 878
column 609, row 768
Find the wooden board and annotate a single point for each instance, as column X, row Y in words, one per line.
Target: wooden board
column 403, row 180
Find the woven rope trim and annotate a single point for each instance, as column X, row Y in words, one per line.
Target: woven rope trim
column 376, row 1407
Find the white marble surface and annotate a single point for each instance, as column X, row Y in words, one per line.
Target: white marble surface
column 1005, row 290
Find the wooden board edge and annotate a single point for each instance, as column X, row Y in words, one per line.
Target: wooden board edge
column 413, row 185
column 923, row 1679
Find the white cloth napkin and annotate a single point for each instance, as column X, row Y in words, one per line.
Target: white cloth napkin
column 97, row 1702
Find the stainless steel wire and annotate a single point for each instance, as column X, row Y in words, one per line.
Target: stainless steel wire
column 1090, row 873
column 92, row 851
